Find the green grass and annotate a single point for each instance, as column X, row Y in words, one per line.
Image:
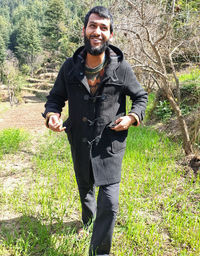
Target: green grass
column 11, row 140
column 192, row 75
column 150, row 105
column 158, row 213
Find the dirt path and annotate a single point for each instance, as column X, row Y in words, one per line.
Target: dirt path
column 26, row 115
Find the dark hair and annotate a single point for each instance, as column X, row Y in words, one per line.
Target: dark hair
column 102, row 12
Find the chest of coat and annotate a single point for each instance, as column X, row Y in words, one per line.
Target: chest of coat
column 108, row 96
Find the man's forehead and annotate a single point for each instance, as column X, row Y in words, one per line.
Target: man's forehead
column 95, row 18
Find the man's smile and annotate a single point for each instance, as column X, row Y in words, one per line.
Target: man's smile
column 95, row 40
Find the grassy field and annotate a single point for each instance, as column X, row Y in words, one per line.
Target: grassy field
column 159, row 201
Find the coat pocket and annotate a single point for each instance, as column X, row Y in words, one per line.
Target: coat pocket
column 119, row 141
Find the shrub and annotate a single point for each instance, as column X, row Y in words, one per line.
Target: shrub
column 163, row 110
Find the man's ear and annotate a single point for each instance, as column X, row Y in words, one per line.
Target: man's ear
column 111, row 37
column 83, row 31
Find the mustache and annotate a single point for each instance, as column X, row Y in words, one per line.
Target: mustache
column 97, row 37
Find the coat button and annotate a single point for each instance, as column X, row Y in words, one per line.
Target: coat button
column 84, row 140
column 86, row 97
column 81, row 73
column 84, row 119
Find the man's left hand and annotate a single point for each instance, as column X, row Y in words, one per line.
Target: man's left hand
column 123, row 123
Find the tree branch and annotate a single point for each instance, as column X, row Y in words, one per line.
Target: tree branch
column 174, row 73
column 150, row 69
column 156, row 81
column 135, row 59
column 131, row 4
column 155, row 50
column 175, row 48
column 162, row 37
column 142, row 45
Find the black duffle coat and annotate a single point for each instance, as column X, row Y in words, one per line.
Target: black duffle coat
column 91, row 116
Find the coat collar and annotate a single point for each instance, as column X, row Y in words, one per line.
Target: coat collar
column 114, row 55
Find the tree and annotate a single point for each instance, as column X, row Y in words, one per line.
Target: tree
column 28, row 42
column 54, row 19
column 2, row 51
column 5, row 29
column 152, row 43
column 2, row 56
column 12, row 79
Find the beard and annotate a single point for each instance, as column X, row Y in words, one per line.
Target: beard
column 95, row 50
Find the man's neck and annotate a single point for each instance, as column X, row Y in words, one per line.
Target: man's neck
column 93, row 61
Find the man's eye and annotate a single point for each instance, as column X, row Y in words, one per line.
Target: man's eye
column 104, row 28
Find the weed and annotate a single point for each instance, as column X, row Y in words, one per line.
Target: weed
column 11, row 140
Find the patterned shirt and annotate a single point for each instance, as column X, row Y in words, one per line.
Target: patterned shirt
column 94, row 76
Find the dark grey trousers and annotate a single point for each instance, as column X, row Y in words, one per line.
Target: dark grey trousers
column 105, row 210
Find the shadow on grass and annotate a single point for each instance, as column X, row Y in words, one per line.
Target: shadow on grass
column 29, row 236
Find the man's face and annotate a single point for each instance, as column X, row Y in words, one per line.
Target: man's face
column 97, row 34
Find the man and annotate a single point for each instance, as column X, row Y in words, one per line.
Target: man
column 95, row 82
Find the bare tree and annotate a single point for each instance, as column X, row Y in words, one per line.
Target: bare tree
column 152, row 42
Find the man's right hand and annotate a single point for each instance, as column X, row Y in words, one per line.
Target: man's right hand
column 56, row 124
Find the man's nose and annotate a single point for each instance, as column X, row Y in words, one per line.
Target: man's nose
column 97, row 31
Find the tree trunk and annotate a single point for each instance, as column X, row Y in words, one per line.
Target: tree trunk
column 178, row 93
column 187, row 145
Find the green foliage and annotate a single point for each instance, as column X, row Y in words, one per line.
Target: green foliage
column 2, row 51
column 163, row 110
column 190, row 97
column 150, row 105
column 192, row 5
column 25, row 69
column 4, row 29
column 20, row 13
column 190, row 90
column 30, row 10
column 11, row 140
column 4, row 38
column 192, row 75
column 54, row 20
column 28, row 42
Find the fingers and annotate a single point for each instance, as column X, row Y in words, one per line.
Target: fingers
column 56, row 124
column 122, row 123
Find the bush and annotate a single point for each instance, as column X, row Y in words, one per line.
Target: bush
column 163, row 110
column 25, row 69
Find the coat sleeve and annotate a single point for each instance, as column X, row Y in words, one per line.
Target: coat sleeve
column 58, row 94
column 136, row 92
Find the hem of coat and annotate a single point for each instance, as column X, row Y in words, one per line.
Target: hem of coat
column 108, row 182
